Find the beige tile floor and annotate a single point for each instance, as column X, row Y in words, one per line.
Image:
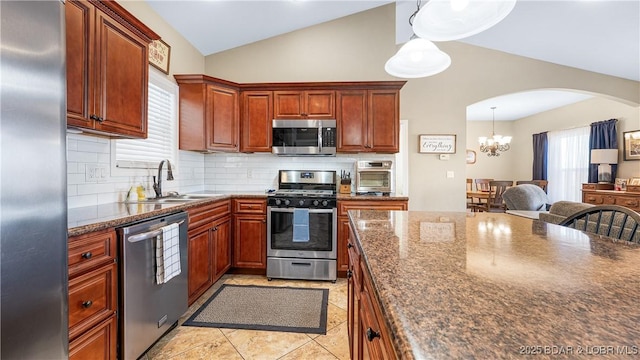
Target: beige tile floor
column 188, row 342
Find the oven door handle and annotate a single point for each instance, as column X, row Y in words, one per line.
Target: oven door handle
column 311, row 211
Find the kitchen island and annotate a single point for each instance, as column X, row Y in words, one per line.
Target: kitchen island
column 448, row 285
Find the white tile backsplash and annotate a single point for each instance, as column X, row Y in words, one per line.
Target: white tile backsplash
column 193, row 172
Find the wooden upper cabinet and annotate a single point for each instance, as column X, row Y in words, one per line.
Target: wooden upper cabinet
column 311, row 104
column 383, row 120
column 222, row 119
column 209, row 114
column 255, row 121
column 368, row 120
column 107, row 69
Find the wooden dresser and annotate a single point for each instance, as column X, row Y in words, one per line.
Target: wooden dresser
column 603, row 194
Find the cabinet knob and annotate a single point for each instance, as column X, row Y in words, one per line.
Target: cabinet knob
column 87, row 255
column 371, row 334
column 349, row 274
column 87, row 304
column 96, row 118
column 215, row 228
column 349, row 245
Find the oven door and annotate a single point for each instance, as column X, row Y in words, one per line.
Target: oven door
column 322, row 234
column 373, row 181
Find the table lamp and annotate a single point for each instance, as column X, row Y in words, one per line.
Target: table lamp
column 604, row 158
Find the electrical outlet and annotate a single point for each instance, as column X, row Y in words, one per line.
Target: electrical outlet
column 449, row 174
column 95, row 173
column 249, row 174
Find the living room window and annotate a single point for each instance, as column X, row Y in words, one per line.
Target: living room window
column 568, row 163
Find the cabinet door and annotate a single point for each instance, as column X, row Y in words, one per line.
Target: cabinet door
column 222, row 243
column 79, row 16
column 343, row 239
column 200, row 276
column 98, row 343
column 222, row 119
column 256, row 118
column 383, row 121
column 352, row 121
column 122, row 79
column 319, row 104
column 288, row 105
column 311, row 104
column 250, row 247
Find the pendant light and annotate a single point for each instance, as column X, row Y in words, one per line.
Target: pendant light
column 417, row 58
column 445, row 20
column 496, row 143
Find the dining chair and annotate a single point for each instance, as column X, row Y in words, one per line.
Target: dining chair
column 471, row 204
column 541, row 183
column 483, row 184
column 496, row 190
column 613, row 221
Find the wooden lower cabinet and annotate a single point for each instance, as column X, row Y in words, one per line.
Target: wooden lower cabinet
column 93, row 295
column 250, row 234
column 209, row 246
column 98, row 343
column 369, row 336
column 343, row 223
column 602, row 194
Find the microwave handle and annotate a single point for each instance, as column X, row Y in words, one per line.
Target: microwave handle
column 320, row 137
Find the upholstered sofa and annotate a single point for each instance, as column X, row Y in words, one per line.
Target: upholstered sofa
column 560, row 210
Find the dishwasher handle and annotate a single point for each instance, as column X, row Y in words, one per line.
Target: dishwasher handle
column 147, row 235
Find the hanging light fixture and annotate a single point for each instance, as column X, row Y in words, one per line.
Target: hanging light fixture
column 445, row 20
column 417, row 58
column 495, row 143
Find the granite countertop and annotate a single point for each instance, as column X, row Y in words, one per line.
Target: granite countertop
column 87, row 219
column 489, row 286
column 389, row 197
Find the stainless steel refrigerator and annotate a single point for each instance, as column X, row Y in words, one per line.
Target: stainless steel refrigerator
column 33, row 190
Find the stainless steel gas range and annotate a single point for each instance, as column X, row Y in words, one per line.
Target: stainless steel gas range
column 302, row 226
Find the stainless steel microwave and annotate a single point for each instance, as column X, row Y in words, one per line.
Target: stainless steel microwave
column 304, row 137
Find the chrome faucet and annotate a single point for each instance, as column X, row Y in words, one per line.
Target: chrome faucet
column 157, row 186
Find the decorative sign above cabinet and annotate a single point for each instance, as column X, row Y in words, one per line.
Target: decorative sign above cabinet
column 160, row 55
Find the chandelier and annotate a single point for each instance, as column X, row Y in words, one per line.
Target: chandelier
column 496, row 143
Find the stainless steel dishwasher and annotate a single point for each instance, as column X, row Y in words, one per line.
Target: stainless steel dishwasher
column 148, row 309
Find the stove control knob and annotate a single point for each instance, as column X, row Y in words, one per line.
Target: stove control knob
column 325, row 202
column 278, row 201
column 301, row 202
column 315, row 202
column 286, row 202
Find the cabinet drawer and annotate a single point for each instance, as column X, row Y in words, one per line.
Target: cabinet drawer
column 203, row 214
column 92, row 298
column 91, row 250
column 344, row 206
column 250, row 206
column 98, row 343
column 594, row 199
column 630, row 202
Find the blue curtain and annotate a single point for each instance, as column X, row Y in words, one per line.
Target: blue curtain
column 603, row 136
column 540, row 149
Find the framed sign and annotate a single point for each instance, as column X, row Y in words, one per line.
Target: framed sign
column 631, row 145
column 471, row 157
column 437, row 144
column 159, row 55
